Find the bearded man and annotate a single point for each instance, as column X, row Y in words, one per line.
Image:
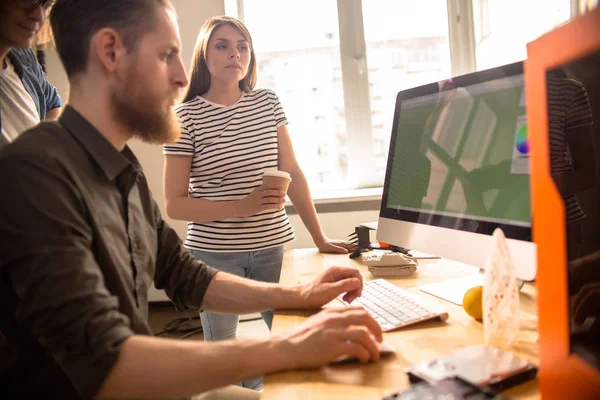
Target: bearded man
column 81, row 238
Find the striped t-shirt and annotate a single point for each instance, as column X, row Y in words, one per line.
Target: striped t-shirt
column 231, row 147
column 568, row 108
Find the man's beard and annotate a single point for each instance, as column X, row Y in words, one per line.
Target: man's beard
column 145, row 114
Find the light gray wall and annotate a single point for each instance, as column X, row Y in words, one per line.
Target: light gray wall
column 192, row 14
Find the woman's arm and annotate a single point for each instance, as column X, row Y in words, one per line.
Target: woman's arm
column 181, row 207
column 53, row 114
column 299, row 194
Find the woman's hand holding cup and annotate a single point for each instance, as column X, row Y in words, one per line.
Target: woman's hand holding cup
column 268, row 196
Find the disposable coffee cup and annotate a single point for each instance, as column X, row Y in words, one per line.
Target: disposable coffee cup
column 278, row 177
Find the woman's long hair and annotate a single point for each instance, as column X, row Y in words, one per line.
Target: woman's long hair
column 199, row 73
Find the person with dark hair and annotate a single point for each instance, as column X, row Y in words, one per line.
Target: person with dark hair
column 81, row 238
column 26, row 96
column 232, row 133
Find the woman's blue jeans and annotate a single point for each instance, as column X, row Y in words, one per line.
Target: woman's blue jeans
column 261, row 265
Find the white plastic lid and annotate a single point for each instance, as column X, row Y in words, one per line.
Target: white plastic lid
column 279, row 174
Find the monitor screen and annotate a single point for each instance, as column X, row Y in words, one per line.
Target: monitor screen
column 459, row 155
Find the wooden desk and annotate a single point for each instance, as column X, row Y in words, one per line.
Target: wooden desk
column 414, row 344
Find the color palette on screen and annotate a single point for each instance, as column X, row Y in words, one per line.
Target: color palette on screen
column 522, row 142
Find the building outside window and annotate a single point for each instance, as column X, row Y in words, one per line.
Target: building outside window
column 337, row 66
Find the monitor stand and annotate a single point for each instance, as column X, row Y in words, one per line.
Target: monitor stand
column 454, row 290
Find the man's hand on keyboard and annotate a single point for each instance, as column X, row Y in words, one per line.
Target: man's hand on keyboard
column 330, row 284
column 326, row 336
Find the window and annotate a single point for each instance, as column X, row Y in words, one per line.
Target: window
column 407, row 45
column 337, row 66
column 299, row 58
column 504, row 27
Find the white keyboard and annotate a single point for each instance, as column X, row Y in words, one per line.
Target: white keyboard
column 393, row 307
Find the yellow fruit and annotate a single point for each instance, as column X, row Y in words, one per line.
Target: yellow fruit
column 473, row 302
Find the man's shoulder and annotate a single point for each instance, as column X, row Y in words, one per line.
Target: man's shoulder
column 24, row 57
column 42, row 144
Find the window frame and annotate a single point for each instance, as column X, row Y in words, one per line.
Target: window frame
column 355, row 74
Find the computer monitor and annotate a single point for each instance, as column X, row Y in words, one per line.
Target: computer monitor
column 458, row 168
column 563, row 98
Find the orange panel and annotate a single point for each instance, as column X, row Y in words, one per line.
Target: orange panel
column 562, row 375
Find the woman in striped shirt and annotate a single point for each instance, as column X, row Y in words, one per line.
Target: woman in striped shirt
column 230, row 135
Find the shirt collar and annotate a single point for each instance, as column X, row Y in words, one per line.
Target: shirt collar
column 15, row 63
column 109, row 159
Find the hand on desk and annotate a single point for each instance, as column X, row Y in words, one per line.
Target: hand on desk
column 327, row 245
column 331, row 333
column 330, row 284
